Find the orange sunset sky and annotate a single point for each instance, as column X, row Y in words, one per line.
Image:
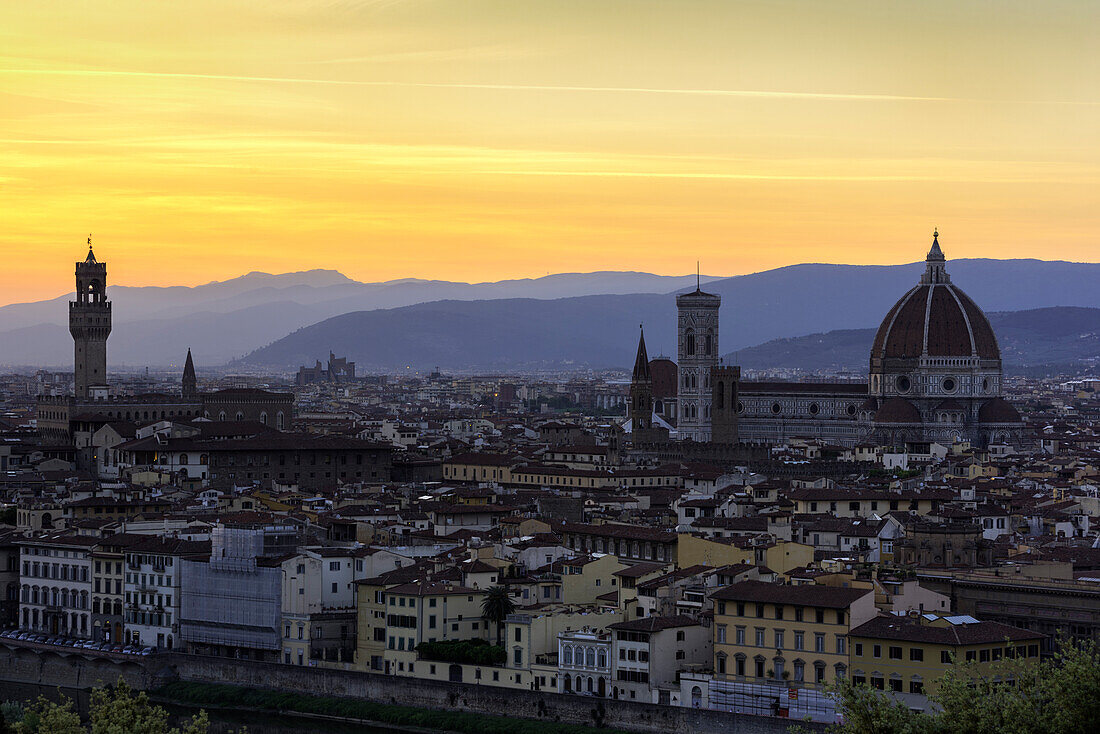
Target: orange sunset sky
column 486, row 139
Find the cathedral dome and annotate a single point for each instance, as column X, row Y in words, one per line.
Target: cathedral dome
column 897, row 410
column 998, row 410
column 935, row 319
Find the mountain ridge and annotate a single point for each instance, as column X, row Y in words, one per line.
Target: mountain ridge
column 226, row 321
column 1063, row 335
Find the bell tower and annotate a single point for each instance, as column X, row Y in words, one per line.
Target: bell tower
column 90, row 325
column 697, row 356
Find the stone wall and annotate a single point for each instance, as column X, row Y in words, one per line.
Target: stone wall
column 76, row 670
column 539, row 705
column 70, row 668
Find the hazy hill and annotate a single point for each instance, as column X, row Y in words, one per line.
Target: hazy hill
column 602, row 331
column 756, row 308
column 1063, row 336
column 591, row 331
column 220, row 321
column 226, row 319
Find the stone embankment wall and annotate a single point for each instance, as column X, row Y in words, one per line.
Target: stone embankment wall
column 538, row 705
column 71, row 669
column 78, row 670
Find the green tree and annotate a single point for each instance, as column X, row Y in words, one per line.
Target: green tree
column 1012, row 696
column 46, row 717
column 869, row 711
column 114, row 710
column 10, row 713
column 118, row 710
column 496, row 606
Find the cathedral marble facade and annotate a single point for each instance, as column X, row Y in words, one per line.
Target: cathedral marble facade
column 935, row 374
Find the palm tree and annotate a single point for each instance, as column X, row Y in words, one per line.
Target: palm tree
column 496, row 606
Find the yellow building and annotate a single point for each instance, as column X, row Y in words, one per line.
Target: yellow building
column 473, row 467
column 797, row 633
column 429, row 611
column 781, row 556
column 907, row 653
column 586, row 578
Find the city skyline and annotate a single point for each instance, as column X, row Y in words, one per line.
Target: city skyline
column 493, row 141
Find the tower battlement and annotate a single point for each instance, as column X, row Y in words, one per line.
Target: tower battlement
column 90, row 325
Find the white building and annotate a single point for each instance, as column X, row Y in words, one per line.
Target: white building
column 318, row 599
column 55, row 584
column 584, row 661
column 152, row 588
column 648, row 654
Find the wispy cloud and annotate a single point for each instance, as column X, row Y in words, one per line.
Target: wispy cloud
column 752, row 93
column 747, row 93
column 494, row 51
column 785, row 177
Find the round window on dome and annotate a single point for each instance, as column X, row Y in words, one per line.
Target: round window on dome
column 903, row 384
column 814, row 409
column 740, row 407
column 851, row 410
column 949, row 384
column 776, row 408
column 985, row 385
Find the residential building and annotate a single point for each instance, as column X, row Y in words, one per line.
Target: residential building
column 231, row 595
column 648, row 653
column 773, row 638
column 152, row 587
column 907, row 653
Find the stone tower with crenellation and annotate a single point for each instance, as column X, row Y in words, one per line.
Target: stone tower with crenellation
column 90, row 325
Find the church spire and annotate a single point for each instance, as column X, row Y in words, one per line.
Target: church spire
column 935, row 270
column 641, row 362
column 190, row 388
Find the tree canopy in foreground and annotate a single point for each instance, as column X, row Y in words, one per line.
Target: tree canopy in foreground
column 1013, row 696
column 114, row 710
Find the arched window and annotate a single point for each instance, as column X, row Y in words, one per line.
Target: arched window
column 279, row 420
column 263, row 418
column 708, row 344
column 567, row 657
column 602, row 658
column 183, row 458
column 590, row 657
column 720, row 397
column 720, row 663
column 221, row 416
column 240, row 416
column 689, row 342
column 204, row 459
